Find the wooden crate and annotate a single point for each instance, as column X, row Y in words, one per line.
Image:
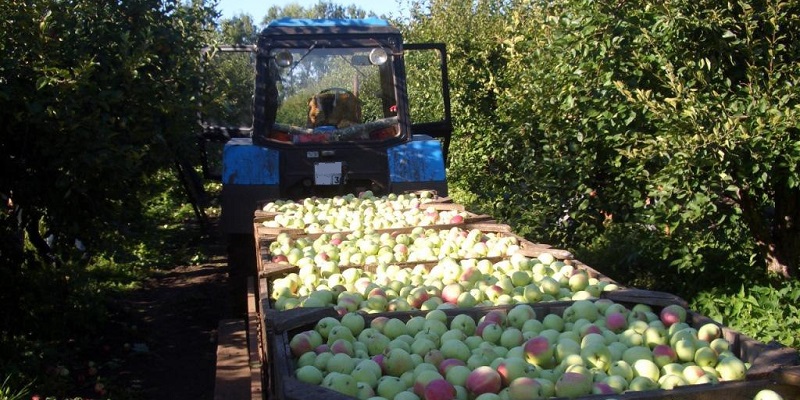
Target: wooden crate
column 773, row 366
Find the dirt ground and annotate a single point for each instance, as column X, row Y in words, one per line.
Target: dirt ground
column 171, row 331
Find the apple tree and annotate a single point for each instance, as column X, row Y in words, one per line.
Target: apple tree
column 96, row 99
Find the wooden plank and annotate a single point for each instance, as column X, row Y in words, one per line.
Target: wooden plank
column 253, row 342
column 232, row 379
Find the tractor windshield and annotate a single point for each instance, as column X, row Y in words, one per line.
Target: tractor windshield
column 333, row 95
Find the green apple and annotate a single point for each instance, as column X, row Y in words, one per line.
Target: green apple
column 309, row 374
column 342, row 383
column 731, row 369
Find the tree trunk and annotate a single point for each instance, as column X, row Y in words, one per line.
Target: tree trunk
column 778, row 237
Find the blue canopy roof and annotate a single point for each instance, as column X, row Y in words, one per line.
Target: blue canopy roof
column 301, row 22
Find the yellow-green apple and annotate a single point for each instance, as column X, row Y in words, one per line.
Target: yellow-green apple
column 685, row 349
column 458, row 374
column 731, row 369
column 513, row 368
column 596, row 355
column 705, row 357
column 672, row 314
column 767, row 394
column 342, row 383
column 616, row 382
column 642, row 383
column 524, row 388
column 671, row 381
column 646, row 368
column 455, row 349
column 573, row 384
column 390, row 386
column 341, row 362
column 621, row 368
column 309, row 374
column 464, row 323
column 709, row 331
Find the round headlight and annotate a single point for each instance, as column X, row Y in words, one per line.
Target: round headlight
column 378, row 56
column 284, row 59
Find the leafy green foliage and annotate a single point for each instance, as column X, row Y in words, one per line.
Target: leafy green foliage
column 765, row 313
column 674, row 118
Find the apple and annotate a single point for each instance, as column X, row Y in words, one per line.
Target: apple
column 341, row 362
column 309, row 374
column 513, row 368
column 642, row 383
column 767, row 394
column 483, row 379
column 396, row 361
column 439, row 389
column 655, row 335
column 646, row 368
column 621, row 368
column 458, row 375
column 573, row 384
column 300, row 344
column 603, row 388
column 565, row 347
column 635, row 353
column 685, row 349
column 616, row 321
column 423, row 377
column 553, row 321
column 663, row 354
column 720, row 345
column 342, row 346
column 341, row 383
column 731, row 369
column 520, row 314
column 390, row 386
column 455, row 349
column 671, row 381
column 464, row 323
column 447, row 363
column 705, row 357
column 524, row 388
column 340, row 332
column 538, row 351
column 490, row 332
column 708, row 332
column 618, row 383
column 395, row 328
column 672, row 314
column 596, row 355
column 692, row 373
column 581, row 309
column 325, row 325
column 423, row 346
column 511, row 337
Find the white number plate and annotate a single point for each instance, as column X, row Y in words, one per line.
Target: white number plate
column 328, row 173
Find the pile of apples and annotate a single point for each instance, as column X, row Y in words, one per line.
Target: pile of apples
column 449, row 283
column 364, row 212
column 363, row 248
column 593, row 347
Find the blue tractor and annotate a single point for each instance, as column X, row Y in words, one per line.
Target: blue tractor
column 326, row 107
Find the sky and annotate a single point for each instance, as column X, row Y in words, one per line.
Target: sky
column 258, row 8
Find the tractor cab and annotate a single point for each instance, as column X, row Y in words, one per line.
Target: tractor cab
column 337, row 107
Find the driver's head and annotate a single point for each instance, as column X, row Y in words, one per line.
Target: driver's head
column 333, row 109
